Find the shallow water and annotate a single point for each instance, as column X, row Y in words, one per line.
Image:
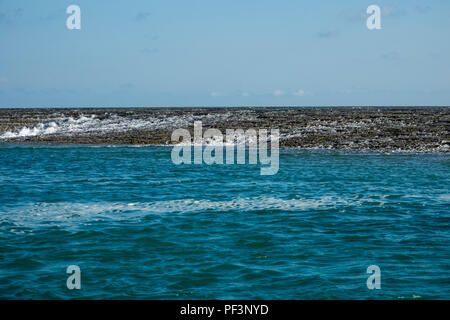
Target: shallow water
column 141, row 227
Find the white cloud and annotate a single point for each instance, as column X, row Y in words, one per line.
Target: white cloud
column 142, row 16
column 392, row 11
column 361, row 15
column 354, row 15
column 423, row 9
column 150, row 51
column 327, row 34
column 278, row 92
column 245, row 94
column 215, row 94
column 299, row 93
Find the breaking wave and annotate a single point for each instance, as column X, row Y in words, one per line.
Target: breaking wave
column 93, row 124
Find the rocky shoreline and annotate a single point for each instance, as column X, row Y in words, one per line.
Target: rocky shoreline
column 406, row 129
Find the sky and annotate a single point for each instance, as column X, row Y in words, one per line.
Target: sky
column 145, row 53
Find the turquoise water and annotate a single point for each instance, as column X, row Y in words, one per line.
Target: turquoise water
column 140, row 227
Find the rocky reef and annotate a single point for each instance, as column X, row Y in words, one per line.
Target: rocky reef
column 405, row 129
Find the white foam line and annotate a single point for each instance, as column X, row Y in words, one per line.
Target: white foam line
column 66, row 213
column 85, row 125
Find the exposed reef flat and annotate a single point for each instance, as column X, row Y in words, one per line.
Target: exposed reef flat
column 407, row 129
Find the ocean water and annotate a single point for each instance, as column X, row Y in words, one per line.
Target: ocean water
column 140, row 227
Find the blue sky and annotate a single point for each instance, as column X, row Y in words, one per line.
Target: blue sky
column 220, row 53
